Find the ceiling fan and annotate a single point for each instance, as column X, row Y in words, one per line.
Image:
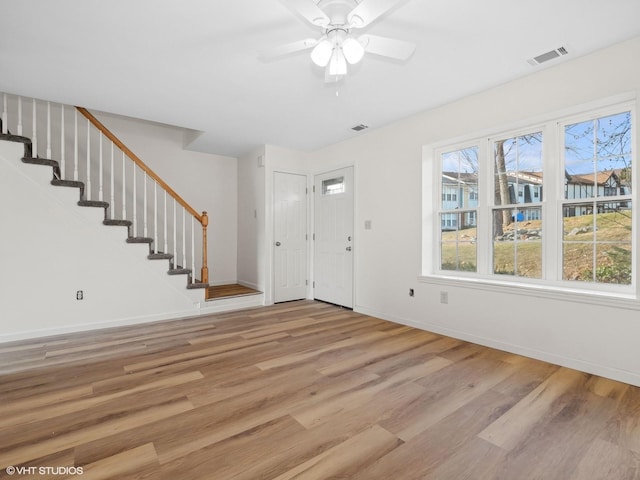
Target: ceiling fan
column 338, row 45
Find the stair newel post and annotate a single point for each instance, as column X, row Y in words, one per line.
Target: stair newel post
column 88, row 195
column 20, row 116
column 62, row 145
column 75, row 146
column 5, row 128
column 34, row 123
column 100, row 174
column 204, row 272
column 144, row 205
column 49, row 155
column 112, row 206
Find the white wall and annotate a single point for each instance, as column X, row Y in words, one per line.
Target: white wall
column 251, row 220
column 598, row 339
column 50, row 248
column 207, row 182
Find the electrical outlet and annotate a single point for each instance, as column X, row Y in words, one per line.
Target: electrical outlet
column 411, row 293
column 444, row 297
column 79, row 295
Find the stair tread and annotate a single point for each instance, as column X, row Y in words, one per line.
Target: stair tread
column 67, row 183
column 160, row 256
column 116, row 222
column 179, row 271
column 40, row 161
column 192, row 286
column 93, row 203
column 139, row 240
column 14, row 138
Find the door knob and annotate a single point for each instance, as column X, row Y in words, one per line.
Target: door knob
column 278, row 244
column 348, row 249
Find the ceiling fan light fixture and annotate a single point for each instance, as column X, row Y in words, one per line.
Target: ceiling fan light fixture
column 338, row 64
column 353, row 50
column 321, row 53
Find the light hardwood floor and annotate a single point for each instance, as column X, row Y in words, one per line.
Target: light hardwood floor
column 304, row 390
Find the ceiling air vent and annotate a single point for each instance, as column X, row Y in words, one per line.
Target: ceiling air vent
column 545, row 57
column 357, row 128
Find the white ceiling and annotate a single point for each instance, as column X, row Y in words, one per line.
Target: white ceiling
column 195, row 64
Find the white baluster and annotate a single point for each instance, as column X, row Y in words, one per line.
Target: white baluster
column 193, row 249
column 75, row 145
column 19, row 132
column 34, row 139
column 124, row 188
column 100, row 175
column 144, row 206
column 166, row 221
column 135, row 203
column 5, row 114
column 155, row 216
column 184, row 238
column 49, row 155
column 175, row 236
column 113, row 192
column 88, row 195
column 62, row 145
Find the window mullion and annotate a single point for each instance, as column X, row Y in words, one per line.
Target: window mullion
column 553, row 194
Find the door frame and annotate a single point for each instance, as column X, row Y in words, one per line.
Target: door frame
column 312, row 224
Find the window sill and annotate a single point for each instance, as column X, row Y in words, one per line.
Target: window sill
column 627, row 301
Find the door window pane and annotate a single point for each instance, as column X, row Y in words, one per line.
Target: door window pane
column 333, row 186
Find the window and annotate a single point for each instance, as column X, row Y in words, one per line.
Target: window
column 550, row 204
column 597, row 238
column 517, row 237
column 333, row 186
column 458, row 209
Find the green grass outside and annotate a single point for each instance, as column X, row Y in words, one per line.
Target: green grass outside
column 612, row 252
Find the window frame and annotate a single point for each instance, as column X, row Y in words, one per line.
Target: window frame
column 551, row 281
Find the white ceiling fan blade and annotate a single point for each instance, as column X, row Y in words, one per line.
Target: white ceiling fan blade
column 309, row 10
column 288, row 48
column 368, row 10
column 387, row 47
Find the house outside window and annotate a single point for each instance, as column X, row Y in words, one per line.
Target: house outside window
column 501, row 227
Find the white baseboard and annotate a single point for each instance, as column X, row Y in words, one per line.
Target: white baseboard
column 200, row 308
column 123, row 322
column 576, row 364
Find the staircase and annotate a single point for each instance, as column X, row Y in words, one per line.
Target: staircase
column 100, row 166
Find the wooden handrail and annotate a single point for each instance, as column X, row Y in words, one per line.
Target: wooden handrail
column 202, row 218
column 96, row 123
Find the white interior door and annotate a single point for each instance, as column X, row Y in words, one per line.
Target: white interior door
column 333, row 246
column 290, row 237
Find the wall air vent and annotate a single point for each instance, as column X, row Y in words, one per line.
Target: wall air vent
column 545, row 57
column 357, row 128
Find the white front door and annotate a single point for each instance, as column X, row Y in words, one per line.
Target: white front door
column 290, row 236
column 333, row 246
